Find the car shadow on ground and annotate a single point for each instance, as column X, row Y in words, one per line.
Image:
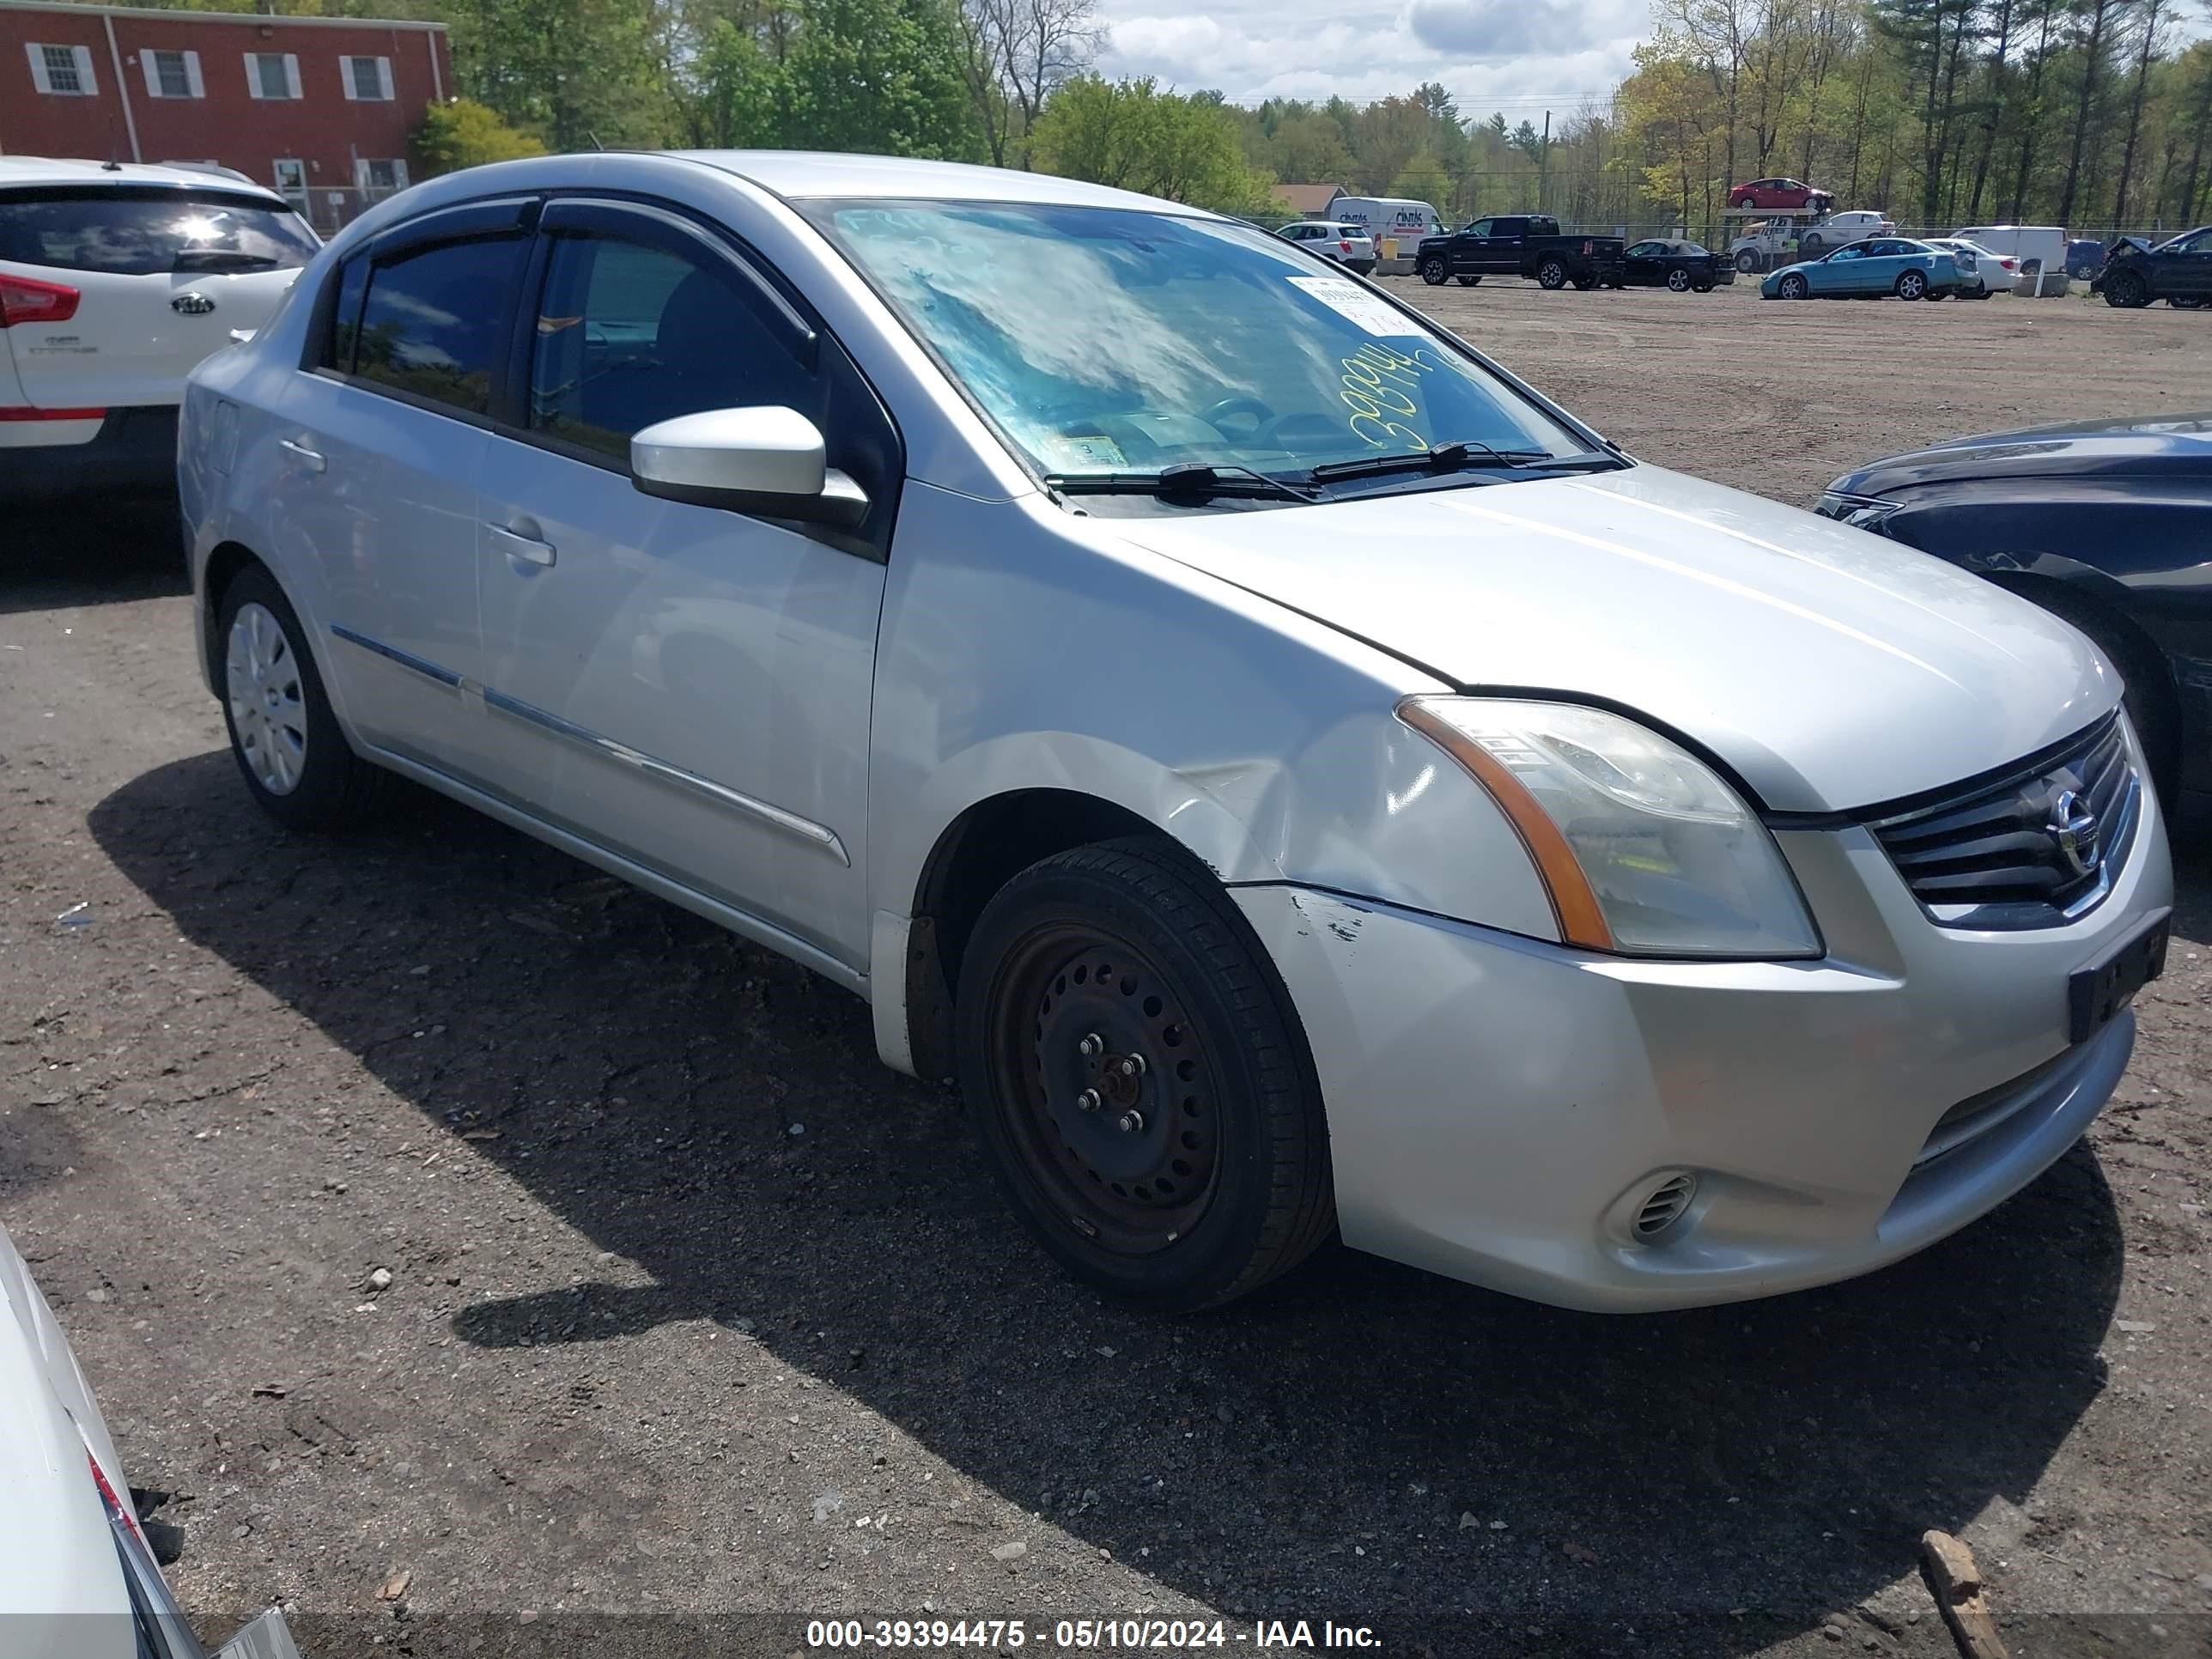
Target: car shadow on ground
column 1348, row 1440
column 90, row 553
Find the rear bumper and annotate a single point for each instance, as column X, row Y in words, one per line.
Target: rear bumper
column 133, row 454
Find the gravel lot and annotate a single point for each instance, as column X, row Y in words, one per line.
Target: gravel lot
column 696, row 1315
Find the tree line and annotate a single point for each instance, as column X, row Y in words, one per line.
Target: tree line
column 2096, row 114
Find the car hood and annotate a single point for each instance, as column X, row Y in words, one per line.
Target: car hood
column 1831, row 669
column 2169, row 447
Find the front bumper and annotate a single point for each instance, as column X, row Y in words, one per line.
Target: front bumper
column 1499, row 1106
column 133, row 454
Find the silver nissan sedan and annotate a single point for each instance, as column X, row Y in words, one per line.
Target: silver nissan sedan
column 1294, row 776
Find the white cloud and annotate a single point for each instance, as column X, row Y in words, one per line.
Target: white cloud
column 1522, row 55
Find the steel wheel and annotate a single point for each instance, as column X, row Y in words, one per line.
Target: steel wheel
column 268, row 706
column 1140, row 1079
column 1116, row 1088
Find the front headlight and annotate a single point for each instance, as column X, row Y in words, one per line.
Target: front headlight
column 1644, row 849
column 1860, row 511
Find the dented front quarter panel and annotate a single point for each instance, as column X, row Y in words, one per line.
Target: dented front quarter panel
column 1037, row 649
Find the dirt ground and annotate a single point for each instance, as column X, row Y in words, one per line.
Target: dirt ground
column 699, row 1323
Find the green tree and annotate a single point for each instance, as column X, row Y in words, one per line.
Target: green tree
column 885, row 77
column 1422, row 179
column 1131, row 134
column 462, row 133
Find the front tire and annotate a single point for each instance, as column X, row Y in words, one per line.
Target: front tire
column 1139, row 1080
column 1551, row 274
column 296, row 761
column 1470, row 279
column 2126, row 291
column 1434, row 271
column 1794, row 288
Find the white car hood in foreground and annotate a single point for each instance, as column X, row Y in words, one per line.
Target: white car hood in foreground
column 1831, row 669
column 62, row 1594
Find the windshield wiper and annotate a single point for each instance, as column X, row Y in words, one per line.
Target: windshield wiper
column 1191, row 481
column 221, row 258
column 1457, row 457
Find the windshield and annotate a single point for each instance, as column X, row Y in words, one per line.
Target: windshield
column 1102, row 340
column 135, row 232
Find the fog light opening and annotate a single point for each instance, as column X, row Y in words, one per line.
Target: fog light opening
column 1663, row 1206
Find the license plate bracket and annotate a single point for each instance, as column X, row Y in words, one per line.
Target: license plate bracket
column 2097, row 992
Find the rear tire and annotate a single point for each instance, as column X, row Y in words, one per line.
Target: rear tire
column 1679, row 281
column 1809, row 246
column 1551, row 274
column 1204, row 1172
column 296, row 761
column 1471, row 279
column 1912, row 285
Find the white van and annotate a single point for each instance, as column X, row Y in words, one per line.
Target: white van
column 2020, row 242
column 1385, row 216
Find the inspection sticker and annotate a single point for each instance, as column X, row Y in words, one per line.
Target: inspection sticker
column 1368, row 310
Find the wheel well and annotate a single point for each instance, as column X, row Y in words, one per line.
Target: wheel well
column 2148, row 673
column 982, row 850
column 223, row 567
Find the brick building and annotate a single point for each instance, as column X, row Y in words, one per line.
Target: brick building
column 320, row 108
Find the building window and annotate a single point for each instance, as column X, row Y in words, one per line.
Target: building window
column 62, row 71
column 368, row 79
column 272, row 74
column 172, row 75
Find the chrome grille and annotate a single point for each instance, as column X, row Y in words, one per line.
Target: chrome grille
column 2035, row 849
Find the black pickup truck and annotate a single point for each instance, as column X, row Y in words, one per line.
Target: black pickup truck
column 1520, row 244
column 2178, row 272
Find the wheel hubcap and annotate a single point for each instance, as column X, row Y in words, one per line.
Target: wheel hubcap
column 1114, row 1098
column 268, row 706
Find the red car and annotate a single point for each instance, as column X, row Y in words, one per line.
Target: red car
column 1780, row 194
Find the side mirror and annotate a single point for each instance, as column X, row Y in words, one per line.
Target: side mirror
column 766, row 461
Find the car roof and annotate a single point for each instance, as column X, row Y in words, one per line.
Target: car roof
column 820, row 175
column 17, row 171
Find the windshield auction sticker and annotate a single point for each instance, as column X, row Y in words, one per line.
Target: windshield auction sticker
column 1369, row 311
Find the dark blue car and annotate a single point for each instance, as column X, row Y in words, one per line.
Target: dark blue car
column 2105, row 523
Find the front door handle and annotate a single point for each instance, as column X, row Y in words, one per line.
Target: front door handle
column 312, row 459
column 517, row 545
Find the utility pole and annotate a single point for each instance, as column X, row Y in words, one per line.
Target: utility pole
column 1543, row 161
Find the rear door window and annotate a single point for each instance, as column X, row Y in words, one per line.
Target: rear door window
column 434, row 322
column 127, row 231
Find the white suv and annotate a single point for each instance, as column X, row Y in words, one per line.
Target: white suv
column 115, row 280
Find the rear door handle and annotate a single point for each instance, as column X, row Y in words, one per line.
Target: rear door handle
column 312, row 459
column 516, row 545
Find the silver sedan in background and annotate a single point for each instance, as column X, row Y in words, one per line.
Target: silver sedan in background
column 1296, row 778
